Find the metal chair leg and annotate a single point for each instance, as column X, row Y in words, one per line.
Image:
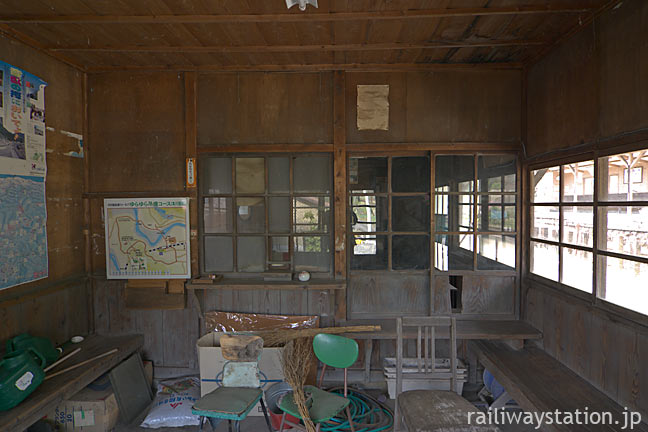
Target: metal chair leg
column 202, row 420
column 283, row 420
column 348, row 412
column 238, row 425
column 229, row 425
column 265, row 414
column 396, row 416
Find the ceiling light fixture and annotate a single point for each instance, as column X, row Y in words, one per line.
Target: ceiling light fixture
column 302, row 3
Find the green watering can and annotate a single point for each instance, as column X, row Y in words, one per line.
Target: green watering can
column 43, row 346
column 19, row 376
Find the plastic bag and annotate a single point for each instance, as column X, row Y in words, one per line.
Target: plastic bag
column 237, row 322
column 172, row 404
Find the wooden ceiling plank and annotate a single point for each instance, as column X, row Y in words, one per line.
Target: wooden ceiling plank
column 9, row 32
column 317, row 67
column 563, row 8
column 300, row 48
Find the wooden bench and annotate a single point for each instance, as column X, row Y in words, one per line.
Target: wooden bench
column 539, row 383
column 508, row 330
column 49, row 394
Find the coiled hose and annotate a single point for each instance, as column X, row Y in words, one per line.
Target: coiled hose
column 368, row 414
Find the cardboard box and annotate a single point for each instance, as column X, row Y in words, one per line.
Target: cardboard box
column 211, row 361
column 89, row 410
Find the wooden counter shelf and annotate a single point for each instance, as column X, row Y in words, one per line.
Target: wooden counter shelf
column 514, row 332
column 52, row 391
column 260, row 284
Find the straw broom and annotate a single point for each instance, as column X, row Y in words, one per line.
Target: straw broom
column 296, row 360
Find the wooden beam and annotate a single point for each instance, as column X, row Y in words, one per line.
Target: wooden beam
column 300, row 48
column 266, row 148
column 365, row 67
column 10, row 33
column 191, row 124
column 339, row 169
column 293, row 17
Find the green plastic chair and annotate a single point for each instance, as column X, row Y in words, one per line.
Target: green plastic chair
column 331, row 350
column 235, row 399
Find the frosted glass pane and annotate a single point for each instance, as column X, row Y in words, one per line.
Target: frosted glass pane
column 312, row 174
column 279, row 214
column 250, row 175
column 217, row 215
column 312, row 253
column 410, row 174
column 216, row 175
column 218, row 254
column 250, row 215
column 250, row 254
column 279, row 174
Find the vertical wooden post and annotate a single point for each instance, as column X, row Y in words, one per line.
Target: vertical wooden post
column 340, row 192
column 190, row 79
column 87, row 219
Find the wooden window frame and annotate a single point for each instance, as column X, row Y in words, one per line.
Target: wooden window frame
column 266, row 233
column 432, row 232
column 591, row 297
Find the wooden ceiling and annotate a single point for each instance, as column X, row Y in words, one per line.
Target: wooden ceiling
column 98, row 35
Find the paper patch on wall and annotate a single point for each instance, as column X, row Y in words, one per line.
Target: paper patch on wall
column 373, row 107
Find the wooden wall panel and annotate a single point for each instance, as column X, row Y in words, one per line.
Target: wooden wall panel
column 611, row 355
column 624, row 68
column 265, row 108
column 453, row 106
column 488, row 295
column 387, row 294
column 55, row 307
column 594, row 86
column 137, row 132
column 563, row 97
column 169, row 336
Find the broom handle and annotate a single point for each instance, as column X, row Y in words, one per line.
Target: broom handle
column 61, row 360
column 107, row 353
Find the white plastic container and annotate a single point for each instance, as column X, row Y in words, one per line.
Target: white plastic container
column 438, row 380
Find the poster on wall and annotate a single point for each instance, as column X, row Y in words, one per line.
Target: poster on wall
column 23, row 213
column 147, row 238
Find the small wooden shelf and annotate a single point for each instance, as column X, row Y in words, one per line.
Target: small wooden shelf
column 260, row 284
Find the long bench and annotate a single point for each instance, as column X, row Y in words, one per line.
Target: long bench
column 49, row 394
column 539, row 383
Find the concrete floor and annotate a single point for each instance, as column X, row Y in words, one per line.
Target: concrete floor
column 257, row 424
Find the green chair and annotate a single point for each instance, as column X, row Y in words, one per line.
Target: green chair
column 331, row 350
column 235, row 399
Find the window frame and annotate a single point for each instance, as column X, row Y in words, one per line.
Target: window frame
column 432, row 232
column 591, row 297
column 267, row 235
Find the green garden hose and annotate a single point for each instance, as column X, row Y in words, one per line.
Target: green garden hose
column 367, row 413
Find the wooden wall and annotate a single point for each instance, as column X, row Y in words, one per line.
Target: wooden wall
column 588, row 93
column 593, row 87
column 607, row 351
column 58, row 306
column 441, row 107
column 138, row 126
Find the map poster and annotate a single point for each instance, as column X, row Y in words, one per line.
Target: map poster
column 147, row 238
column 23, row 230
column 22, row 122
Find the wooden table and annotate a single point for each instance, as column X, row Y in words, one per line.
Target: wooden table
column 51, row 392
column 512, row 331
